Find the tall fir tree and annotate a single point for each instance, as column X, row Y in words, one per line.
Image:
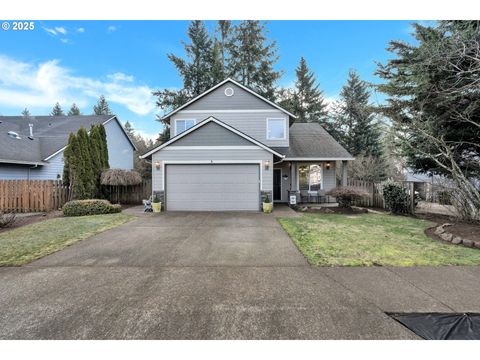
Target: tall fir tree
column 224, row 29
column 104, row 147
column 354, row 118
column 252, row 57
column 164, row 136
column 195, row 70
column 25, row 113
column 129, row 130
column 102, row 107
column 57, row 110
column 74, row 110
column 308, row 101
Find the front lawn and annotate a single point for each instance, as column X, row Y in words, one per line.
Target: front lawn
column 31, row 242
column 371, row 239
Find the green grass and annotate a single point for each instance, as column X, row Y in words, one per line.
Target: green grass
column 370, row 239
column 30, row 242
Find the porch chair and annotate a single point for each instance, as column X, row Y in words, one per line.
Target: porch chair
column 321, row 196
column 148, row 204
column 304, row 196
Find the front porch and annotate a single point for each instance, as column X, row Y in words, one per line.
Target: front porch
column 307, row 181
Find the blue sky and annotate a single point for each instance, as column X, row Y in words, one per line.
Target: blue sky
column 76, row 61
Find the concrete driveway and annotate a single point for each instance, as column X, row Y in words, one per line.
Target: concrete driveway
column 204, row 276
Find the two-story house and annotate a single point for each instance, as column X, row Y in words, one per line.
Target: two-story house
column 230, row 148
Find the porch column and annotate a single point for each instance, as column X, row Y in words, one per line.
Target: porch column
column 344, row 173
column 293, row 176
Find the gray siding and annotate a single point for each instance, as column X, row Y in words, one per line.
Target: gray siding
column 329, row 177
column 208, row 155
column 211, row 134
column 253, row 124
column 219, row 101
column 120, row 151
column 45, row 172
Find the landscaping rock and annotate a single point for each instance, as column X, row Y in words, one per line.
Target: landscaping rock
column 328, row 211
column 457, row 240
column 467, row 243
column 439, row 230
column 446, row 236
column 477, row 244
column 446, row 224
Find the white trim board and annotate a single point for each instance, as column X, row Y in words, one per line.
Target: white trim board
column 316, row 159
column 216, row 87
column 173, row 148
column 229, row 111
column 211, row 162
column 204, row 122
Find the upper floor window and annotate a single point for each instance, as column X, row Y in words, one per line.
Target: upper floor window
column 276, row 129
column 183, row 124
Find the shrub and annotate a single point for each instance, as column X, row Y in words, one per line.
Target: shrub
column 120, row 177
column 6, row 219
column 156, row 199
column 89, row 207
column 396, row 197
column 345, row 195
column 267, row 200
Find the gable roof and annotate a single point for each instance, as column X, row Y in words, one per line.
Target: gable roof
column 216, row 87
column 50, row 136
column 203, row 123
column 310, row 141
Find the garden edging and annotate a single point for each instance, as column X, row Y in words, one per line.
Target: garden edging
column 454, row 239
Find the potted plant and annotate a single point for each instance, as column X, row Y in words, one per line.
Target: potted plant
column 267, row 205
column 156, row 204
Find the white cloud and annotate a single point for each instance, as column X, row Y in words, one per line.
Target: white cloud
column 64, row 40
column 50, row 31
column 111, row 28
column 41, row 85
column 81, row 30
column 61, row 30
column 118, row 76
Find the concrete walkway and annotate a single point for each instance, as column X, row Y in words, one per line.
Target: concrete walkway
column 215, row 276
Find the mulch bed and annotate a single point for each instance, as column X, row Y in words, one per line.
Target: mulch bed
column 332, row 210
column 31, row 219
column 463, row 229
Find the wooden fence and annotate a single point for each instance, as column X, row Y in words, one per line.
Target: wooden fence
column 375, row 197
column 128, row 194
column 32, row 195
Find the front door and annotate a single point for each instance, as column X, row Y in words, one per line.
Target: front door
column 277, row 184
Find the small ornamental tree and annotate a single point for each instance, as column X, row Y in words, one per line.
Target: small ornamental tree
column 396, row 197
column 345, row 195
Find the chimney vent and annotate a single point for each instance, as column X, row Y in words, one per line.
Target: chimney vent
column 31, row 130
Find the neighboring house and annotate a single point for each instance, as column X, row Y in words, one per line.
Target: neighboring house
column 230, row 147
column 32, row 147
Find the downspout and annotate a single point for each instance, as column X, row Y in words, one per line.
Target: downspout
column 28, row 182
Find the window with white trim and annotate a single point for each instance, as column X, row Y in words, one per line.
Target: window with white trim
column 310, row 177
column 183, row 124
column 276, row 129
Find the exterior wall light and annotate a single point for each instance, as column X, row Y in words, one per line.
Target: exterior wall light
column 267, row 165
column 327, row 165
column 285, row 177
column 158, row 164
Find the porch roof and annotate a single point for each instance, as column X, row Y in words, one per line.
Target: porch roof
column 310, row 141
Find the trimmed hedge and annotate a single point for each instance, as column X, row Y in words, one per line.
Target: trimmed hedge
column 90, row 207
column 345, row 195
column 396, row 197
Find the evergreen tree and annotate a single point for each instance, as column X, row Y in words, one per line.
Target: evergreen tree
column 69, row 165
column 129, row 130
column 84, row 177
column 308, row 101
column 224, row 29
column 164, row 136
column 195, row 70
column 102, row 108
column 218, row 69
column 252, row 58
column 74, row 110
column 57, row 110
column 354, row 119
column 434, row 99
column 25, row 112
column 103, row 147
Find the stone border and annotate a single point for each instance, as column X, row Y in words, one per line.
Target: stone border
column 455, row 240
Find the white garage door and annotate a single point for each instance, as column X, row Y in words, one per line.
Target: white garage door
column 212, row 187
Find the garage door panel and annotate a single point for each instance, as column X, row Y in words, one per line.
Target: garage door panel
column 212, row 187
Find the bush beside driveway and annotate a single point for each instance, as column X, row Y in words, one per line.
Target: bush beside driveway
column 372, row 239
column 27, row 243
